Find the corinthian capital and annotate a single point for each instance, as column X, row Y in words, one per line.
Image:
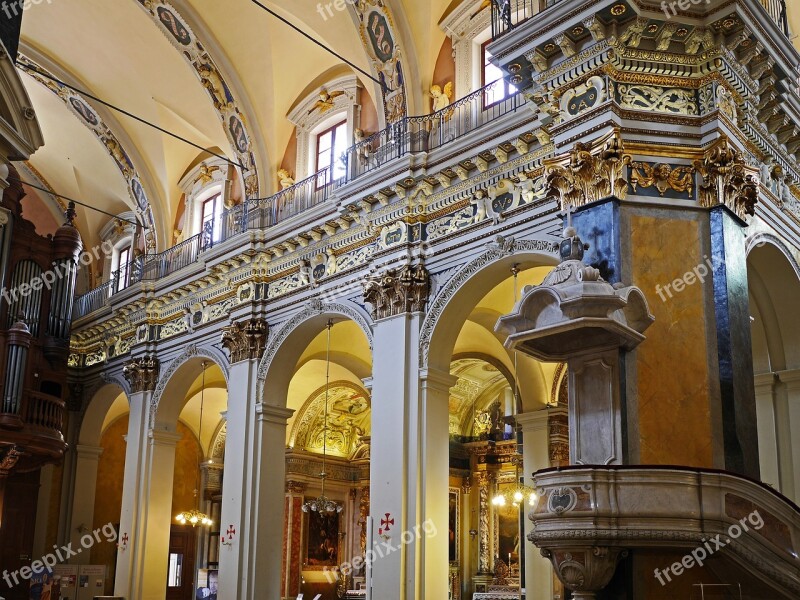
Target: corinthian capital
column 245, row 340
column 589, row 172
column 398, row 291
column 727, row 179
column 142, row 374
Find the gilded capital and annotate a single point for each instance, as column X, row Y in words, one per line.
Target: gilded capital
column 245, row 340
column 295, row 487
column 142, row 374
column 398, row 291
column 727, row 179
column 590, row 171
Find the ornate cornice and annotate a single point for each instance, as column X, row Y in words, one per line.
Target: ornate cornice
column 142, row 374
column 398, row 291
column 245, row 340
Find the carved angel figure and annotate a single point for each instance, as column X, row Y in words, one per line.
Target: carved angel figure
column 285, row 178
column 364, row 149
column 662, row 176
column 326, row 101
column 484, row 208
column 211, row 80
column 442, row 97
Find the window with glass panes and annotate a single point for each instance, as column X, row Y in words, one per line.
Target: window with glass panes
column 212, row 213
column 124, row 265
column 491, row 73
column 331, row 144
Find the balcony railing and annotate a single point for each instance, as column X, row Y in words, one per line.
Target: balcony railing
column 43, row 412
column 408, row 135
column 777, row 10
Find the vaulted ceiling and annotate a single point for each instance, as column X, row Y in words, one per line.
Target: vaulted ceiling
column 123, row 52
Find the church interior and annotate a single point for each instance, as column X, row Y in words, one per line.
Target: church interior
column 399, row 299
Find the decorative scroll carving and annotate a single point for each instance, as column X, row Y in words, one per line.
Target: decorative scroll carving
column 9, row 459
column 663, row 177
column 398, row 291
column 591, row 171
column 363, row 513
column 482, row 479
column 245, row 340
column 658, row 99
column 727, row 179
column 588, row 570
column 142, row 374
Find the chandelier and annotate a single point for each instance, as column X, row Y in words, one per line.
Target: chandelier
column 517, row 494
column 195, row 516
column 322, row 504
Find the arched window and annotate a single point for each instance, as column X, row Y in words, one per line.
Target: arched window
column 325, row 120
column 206, row 190
column 118, row 234
column 491, row 74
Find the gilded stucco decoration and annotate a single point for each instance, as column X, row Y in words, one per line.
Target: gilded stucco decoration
column 378, row 35
column 227, row 106
column 398, row 291
column 727, row 179
column 142, row 374
column 348, row 420
column 590, row 172
column 245, row 340
column 663, row 177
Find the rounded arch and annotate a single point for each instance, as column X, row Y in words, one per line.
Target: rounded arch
column 176, row 381
column 100, row 401
column 280, row 358
column 762, row 239
column 453, row 304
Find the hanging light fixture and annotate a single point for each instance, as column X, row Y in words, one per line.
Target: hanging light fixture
column 516, row 494
column 195, row 516
column 322, row 504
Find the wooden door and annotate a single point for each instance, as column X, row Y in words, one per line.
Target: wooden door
column 181, row 571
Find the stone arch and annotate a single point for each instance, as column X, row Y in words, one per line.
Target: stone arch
column 229, row 104
column 119, row 152
column 101, row 397
column 761, row 239
column 306, row 324
column 488, row 269
column 180, row 373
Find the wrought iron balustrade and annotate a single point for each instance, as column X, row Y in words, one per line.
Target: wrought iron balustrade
column 777, row 10
column 408, row 135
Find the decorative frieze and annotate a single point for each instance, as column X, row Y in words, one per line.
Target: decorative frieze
column 727, row 179
column 245, row 340
column 398, row 291
column 663, row 177
column 590, row 172
column 142, row 374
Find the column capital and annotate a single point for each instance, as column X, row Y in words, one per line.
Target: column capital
column 296, row 488
column 164, row 438
column 790, row 378
column 434, row 379
column 765, row 382
column 88, row 451
column 142, row 373
column 533, row 421
column 273, row 414
column 245, row 340
column 398, row 291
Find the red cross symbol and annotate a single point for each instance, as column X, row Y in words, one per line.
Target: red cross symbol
column 231, row 531
column 386, row 524
column 125, row 539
